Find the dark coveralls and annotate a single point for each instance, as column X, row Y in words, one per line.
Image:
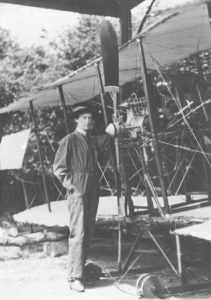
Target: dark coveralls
column 76, row 168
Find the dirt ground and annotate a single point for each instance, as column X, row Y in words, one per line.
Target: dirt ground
column 29, row 274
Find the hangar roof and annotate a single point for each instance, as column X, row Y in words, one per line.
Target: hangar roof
column 95, row 7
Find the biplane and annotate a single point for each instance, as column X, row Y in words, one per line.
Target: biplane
column 161, row 133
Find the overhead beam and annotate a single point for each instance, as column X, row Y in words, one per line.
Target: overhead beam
column 125, row 22
column 93, row 7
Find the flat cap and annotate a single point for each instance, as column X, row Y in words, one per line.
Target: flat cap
column 81, row 109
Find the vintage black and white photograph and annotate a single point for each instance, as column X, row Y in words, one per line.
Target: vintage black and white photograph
column 105, row 149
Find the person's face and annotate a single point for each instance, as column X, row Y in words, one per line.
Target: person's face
column 85, row 121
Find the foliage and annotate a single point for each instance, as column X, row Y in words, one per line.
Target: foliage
column 7, row 44
column 79, row 46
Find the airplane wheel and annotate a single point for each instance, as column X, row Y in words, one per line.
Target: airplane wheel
column 149, row 286
column 92, row 271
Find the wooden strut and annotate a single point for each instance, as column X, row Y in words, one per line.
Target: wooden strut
column 207, row 171
column 152, row 127
column 25, row 194
column 112, row 156
column 121, row 207
column 145, row 17
column 144, row 167
column 125, row 22
column 62, row 98
column 140, row 233
column 116, row 175
column 40, row 156
column 130, row 254
column 179, row 255
column 102, row 93
column 163, row 253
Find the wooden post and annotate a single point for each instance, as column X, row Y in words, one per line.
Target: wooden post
column 62, row 98
column 207, row 169
column 125, row 22
column 134, row 245
column 162, row 253
column 102, row 93
column 120, row 247
column 145, row 17
column 120, row 202
column 25, row 194
column 125, row 34
column 203, row 88
column 114, row 90
column 179, row 255
column 144, row 167
column 148, row 97
column 40, row 156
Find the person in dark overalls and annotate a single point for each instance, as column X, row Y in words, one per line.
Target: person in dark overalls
column 75, row 166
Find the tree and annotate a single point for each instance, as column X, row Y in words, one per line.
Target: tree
column 79, row 46
column 7, row 44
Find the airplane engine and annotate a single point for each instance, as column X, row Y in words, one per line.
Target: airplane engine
column 135, row 110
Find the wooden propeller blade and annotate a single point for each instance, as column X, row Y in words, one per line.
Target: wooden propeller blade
column 110, row 54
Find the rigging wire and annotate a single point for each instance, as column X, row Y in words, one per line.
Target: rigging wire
column 103, row 176
column 145, row 16
column 186, row 171
column 117, row 282
column 175, row 174
column 137, row 171
column 190, row 112
column 26, row 181
column 117, row 285
column 183, row 116
column 185, row 148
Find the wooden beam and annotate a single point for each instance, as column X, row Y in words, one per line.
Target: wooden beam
column 202, row 96
column 148, row 96
column 64, row 107
column 125, row 22
column 25, row 194
column 40, row 155
column 145, row 17
column 145, row 172
column 93, row 7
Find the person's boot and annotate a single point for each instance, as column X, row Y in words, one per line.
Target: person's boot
column 77, row 285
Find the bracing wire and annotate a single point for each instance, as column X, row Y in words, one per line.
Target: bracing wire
column 183, row 116
column 185, row 148
column 103, row 176
column 26, row 181
column 186, row 171
column 117, row 282
column 190, row 112
column 117, row 285
column 138, row 171
column 175, row 174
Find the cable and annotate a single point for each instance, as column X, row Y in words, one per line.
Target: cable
column 185, row 148
column 116, row 284
column 186, row 171
column 183, row 116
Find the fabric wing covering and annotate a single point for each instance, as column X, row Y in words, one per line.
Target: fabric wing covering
column 177, row 35
column 12, row 150
column 201, row 231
